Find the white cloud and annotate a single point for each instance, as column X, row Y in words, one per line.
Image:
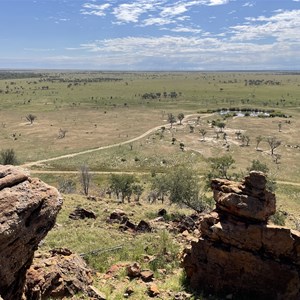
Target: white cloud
column 157, row 21
column 130, row 12
column 248, row 4
column 282, row 26
column 217, row 2
column 94, row 9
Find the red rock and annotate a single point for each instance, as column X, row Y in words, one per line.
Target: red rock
column 28, row 209
column 147, row 275
column 61, row 274
column 238, row 252
column 153, row 290
column 133, row 270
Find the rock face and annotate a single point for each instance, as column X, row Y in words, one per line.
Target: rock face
column 238, row 253
column 28, row 209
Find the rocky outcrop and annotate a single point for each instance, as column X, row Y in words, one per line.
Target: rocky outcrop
column 238, row 252
column 57, row 274
column 28, row 209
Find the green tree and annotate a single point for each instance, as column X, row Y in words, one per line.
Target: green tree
column 257, row 165
column 121, row 185
column 220, row 167
column 8, row 157
column 171, row 119
column 184, row 189
column 180, row 117
column 273, row 143
column 221, row 125
column 137, row 190
column 160, row 185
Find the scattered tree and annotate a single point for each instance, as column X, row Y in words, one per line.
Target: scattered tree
column 160, row 186
column 171, row 119
column 8, row 157
column 85, row 178
column 180, row 117
column 184, row 189
column 192, row 128
column 273, row 143
column 220, row 167
column 203, row 132
column 121, row 185
column 245, row 140
column 137, row 190
column 221, row 125
column 30, row 118
column 279, row 126
column 258, row 141
column 256, row 165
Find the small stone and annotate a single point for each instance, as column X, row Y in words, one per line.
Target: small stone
column 153, row 290
column 133, row 270
column 147, row 275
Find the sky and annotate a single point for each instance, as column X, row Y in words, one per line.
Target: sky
column 150, row 35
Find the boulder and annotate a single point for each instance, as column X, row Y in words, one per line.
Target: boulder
column 81, row 213
column 28, row 210
column 117, row 216
column 238, row 252
column 143, row 226
column 59, row 274
column 249, row 199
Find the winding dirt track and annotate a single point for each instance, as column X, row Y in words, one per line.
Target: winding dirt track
column 30, row 164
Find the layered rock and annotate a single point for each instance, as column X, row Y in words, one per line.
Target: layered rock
column 28, row 209
column 238, row 253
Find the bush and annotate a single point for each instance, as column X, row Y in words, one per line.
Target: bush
column 279, row 218
column 8, row 157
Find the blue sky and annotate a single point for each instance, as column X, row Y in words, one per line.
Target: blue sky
column 150, row 34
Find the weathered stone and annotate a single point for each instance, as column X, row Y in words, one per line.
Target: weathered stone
column 81, row 213
column 249, row 199
column 143, row 226
column 117, row 216
column 147, row 275
column 240, row 254
column 133, row 270
column 28, row 209
column 128, row 226
column 153, row 290
column 60, row 274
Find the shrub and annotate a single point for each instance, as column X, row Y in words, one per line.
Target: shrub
column 8, row 157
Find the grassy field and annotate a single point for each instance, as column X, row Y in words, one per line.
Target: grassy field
column 99, row 109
